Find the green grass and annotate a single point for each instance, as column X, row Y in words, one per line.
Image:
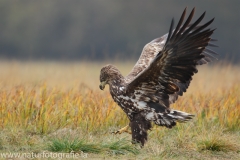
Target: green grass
column 121, row 146
column 76, row 145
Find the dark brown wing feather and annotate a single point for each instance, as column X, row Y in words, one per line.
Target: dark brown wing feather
column 170, row 71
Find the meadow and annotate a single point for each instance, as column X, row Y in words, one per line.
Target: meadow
column 57, row 107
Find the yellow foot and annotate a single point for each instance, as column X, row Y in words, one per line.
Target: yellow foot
column 124, row 129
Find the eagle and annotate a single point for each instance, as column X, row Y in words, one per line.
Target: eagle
column 162, row 74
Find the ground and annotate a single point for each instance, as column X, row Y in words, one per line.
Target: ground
column 57, row 108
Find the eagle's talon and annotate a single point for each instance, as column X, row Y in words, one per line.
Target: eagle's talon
column 124, row 129
column 115, row 132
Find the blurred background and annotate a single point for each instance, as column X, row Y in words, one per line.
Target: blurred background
column 99, row 30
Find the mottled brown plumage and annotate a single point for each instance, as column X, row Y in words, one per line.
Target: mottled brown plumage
column 162, row 73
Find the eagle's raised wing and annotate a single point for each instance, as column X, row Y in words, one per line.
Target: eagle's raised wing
column 149, row 52
column 166, row 74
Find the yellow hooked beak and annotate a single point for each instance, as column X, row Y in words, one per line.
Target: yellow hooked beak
column 102, row 85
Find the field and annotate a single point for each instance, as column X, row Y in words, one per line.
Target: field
column 57, row 107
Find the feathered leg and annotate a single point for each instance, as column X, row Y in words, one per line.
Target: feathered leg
column 139, row 126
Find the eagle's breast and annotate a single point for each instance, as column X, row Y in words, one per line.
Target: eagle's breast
column 129, row 102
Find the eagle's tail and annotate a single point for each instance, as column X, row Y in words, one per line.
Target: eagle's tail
column 180, row 116
column 169, row 119
column 139, row 127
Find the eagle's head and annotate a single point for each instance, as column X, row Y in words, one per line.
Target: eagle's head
column 107, row 74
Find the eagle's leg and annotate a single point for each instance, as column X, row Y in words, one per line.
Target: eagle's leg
column 124, row 129
column 139, row 126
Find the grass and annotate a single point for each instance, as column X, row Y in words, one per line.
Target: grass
column 80, row 145
column 57, row 107
column 76, row 145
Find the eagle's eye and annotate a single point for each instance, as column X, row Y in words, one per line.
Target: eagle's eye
column 104, row 73
column 102, row 78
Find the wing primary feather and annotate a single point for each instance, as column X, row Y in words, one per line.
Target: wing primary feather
column 210, row 51
column 170, row 31
column 205, row 53
column 204, row 34
column 194, row 24
column 212, row 45
column 179, row 22
column 202, row 27
column 187, row 22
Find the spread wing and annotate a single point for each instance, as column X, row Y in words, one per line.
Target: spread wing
column 166, row 73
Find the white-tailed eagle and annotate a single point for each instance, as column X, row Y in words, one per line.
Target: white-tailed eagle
column 162, row 73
